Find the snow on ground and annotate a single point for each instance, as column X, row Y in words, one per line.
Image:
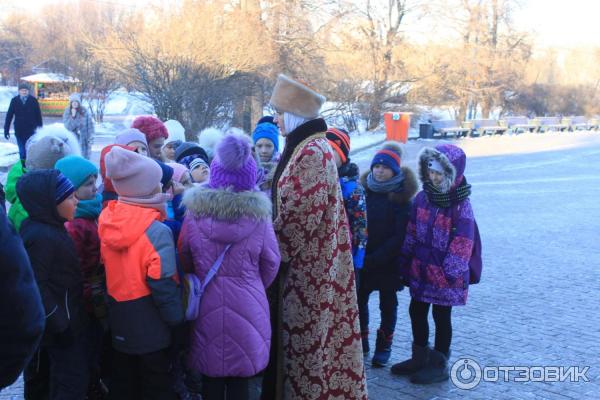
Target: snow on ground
column 6, row 94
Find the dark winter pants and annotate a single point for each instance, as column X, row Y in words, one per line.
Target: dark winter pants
column 21, row 141
column 420, row 326
column 231, row 388
column 388, row 305
column 142, row 377
column 69, row 369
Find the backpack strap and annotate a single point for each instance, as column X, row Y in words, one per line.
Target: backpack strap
column 215, row 268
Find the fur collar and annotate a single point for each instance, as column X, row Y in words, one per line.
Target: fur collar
column 411, row 186
column 297, row 136
column 429, row 153
column 227, row 205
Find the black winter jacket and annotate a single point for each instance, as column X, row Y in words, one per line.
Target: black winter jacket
column 52, row 255
column 28, row 116
column 21, row 311
column 387, row 217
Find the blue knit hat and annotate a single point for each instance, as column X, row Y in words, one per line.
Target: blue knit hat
column 267, row 130
column 77, row 169
column 64, row 188
column 390, row 155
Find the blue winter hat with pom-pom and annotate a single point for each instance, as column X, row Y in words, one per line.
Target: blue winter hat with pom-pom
column 233, row 166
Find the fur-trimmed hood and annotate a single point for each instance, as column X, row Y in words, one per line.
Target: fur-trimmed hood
column 411, row 186
column 227, row 205
column 453, row 161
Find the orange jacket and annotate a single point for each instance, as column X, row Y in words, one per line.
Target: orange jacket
column 139, row 257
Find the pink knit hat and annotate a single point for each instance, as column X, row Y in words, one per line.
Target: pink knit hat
column 132, row 174
column 233, row 166
column 150, row 126
column 130, row 135
column 178, row 171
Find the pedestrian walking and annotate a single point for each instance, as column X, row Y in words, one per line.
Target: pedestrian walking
column 27, row 115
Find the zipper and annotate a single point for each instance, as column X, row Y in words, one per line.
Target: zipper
column 67, row 304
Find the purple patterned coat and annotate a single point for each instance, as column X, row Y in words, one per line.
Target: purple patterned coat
column 439, row 241
column 232, row 335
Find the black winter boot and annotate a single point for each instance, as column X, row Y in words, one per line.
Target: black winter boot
column 383, row 348
column 419, row 359
column 435, row 371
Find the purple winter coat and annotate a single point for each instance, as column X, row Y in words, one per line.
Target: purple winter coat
column 439, row 241
column 232, row 335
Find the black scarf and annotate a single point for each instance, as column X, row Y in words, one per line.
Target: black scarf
column 445, row 200
column 292, row 141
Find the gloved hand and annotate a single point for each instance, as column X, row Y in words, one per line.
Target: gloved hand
column 6, row 135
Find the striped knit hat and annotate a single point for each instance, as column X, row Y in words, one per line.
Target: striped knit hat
column 390, row 155
column 340, row 142
column 64, row 188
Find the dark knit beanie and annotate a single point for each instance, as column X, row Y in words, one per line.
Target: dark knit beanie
column 167, row 172
column 340, row 142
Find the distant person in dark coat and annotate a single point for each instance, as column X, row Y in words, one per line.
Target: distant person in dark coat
column 22, row 314
column 28, row 117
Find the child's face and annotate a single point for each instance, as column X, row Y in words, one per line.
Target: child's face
column 67, row 207
column 139, row 147
column 382, row 173
column 87, row 191
column 435, row 177
column 186, row 179
column 200, row 174
column 169, row 151
column 265, row 149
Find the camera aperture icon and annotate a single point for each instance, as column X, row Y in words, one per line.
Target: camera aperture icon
column 465, row 373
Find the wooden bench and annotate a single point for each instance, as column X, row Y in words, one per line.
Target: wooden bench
column 483, row 126
column 576, row 123
column 594, row 124
column 449, row 126
column 518, row 124
column 546, row 124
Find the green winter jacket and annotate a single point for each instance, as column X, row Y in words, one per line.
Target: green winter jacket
column 16, row 213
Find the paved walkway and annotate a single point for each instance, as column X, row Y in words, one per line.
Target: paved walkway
column 536, row 305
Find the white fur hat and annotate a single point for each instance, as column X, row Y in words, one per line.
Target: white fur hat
column 176, row 131
column 208, row 139
column 296, row 98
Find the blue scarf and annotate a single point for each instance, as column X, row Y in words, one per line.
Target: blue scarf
column 89, row 209
column 395, row 184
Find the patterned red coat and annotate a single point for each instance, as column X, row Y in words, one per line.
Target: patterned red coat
column 320, row 352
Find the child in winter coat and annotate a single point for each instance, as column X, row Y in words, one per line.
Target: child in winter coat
column 83, row 229
column 437, row 248
column 266, row 146
column 143, row 296
column 232, row 335
column 176, row 137
column 49, row 199
column 390, row 188
column 48, row 145
column 195, row 159
column 107, row 190
column 155, row 131
column 354, row 196
column 133, row 138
